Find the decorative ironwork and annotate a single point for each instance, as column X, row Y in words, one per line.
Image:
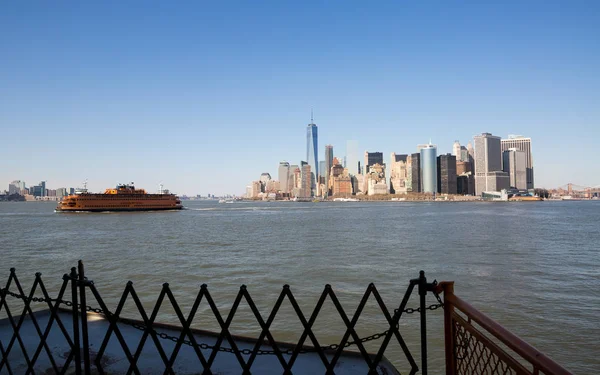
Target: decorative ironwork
column 77, row 336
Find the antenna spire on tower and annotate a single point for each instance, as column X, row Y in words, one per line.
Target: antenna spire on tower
column 311, row 116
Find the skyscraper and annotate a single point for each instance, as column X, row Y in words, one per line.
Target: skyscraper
column 488, row 164
column 456, row 150
column 514, row 162
column 399, row 174
column 352, row 161
column 372, row 158
column 312, row 154
column 523, row 144
column 305, row 182
column 328, row 163
column 414, row 172
column 429, row 168
column 16, row 187
column 446, row 174
column 284, row 176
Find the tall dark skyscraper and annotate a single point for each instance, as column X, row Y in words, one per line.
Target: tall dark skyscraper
column 312, row 153
column 446, row 174
column 415, row 172
column 372, row 158
column 328, row 163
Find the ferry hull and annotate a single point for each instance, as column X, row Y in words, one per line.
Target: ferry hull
column 124, row 209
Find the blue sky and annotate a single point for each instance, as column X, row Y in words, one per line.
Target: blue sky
column 204, row 96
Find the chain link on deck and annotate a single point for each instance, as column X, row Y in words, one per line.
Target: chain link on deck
column 205, row 346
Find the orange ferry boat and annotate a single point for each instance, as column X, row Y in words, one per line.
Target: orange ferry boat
column 122, row 198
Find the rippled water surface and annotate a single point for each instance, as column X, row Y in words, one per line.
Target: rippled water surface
column 534, row 267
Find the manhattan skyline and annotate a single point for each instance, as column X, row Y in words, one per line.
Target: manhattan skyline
column 203, row 97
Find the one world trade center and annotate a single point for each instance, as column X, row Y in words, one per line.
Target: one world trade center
column 312, row 156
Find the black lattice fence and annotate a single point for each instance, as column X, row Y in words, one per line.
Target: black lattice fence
column 83, row 357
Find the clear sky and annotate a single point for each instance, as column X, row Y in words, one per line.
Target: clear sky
column 203, row 96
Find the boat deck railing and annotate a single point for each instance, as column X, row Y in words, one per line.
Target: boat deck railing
column 474, row 343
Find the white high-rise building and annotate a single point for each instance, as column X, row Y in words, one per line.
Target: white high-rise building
column 284, row 176
column 16, row 187
column 523, row 144
column 428, row 168
column 456, row 150
column 352, row 158
column 514, row 162
column 488, row 164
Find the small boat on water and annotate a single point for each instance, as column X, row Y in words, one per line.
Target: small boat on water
column 346, row 200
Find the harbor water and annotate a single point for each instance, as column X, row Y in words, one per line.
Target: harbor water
column 533, row 267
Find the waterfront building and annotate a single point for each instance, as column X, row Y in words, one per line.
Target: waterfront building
column 292, row 178
column 297, row 180
column 465, row 184
column 429, row 168
column 16, row 187
column 358, row 184
column 352, row 158
column 249, row 191
column 256, row 189
column 306, row 180
column 471, row 152
column 464, row 154
column 399, row 174
column 264, row 179
column 61, row 192
column 312, row 155
column 446, row 174
column 488, row 164
column 39, row 190
column 340, row 180
column 284, row 176
column 328, row 163
column 413, row 173
column 463, row 167
column 272, row 187
column 322, row 172
column 375, row 180
column 456, row 150
column 372, row 158
column 514, row 162
column 523, row 144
